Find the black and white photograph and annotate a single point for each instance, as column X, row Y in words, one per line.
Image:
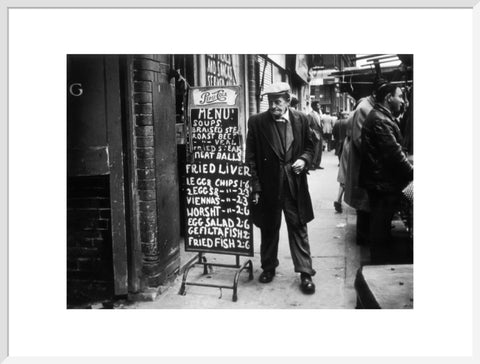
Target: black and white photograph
column 221, row 182
column 257, row 181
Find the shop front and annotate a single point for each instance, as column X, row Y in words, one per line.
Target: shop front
column 128, row 146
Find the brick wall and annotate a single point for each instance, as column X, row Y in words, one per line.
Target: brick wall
column 252, row 85
column 143, row 75
column 89, row 239
column 149, row 70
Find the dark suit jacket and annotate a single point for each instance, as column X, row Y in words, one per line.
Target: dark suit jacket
column 267, row 167
column 315, row 125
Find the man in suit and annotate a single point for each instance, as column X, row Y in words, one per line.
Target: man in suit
column 316, row 126
column 279, row 152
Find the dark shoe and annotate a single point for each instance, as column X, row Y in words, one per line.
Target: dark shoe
column 307, row 286
column 266, row 276
column 320, row 167
column 338, row 206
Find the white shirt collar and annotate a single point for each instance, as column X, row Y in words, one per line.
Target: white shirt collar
column 285, row 116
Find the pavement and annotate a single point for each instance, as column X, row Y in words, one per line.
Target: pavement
column 336, row 258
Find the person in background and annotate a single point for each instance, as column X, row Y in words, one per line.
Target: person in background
column 278, row 152
column 294, row 102
column 334, row 121
column 316, row 126
column 340, row 134
column 355, row 196
column 307, row 108
column 327, row 126
column 385, row 170
column 406, row 125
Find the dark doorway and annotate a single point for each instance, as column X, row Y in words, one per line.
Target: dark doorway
column 96, row 237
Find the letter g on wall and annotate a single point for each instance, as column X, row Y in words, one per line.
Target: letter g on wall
column 75, row 89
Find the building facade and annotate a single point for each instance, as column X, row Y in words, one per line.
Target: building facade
column 325, row 86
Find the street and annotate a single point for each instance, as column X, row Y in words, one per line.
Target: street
column 336, row 259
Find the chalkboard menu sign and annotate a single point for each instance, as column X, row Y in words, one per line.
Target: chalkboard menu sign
column 217, row 180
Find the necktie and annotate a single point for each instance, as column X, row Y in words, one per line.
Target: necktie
column 288, row 132
column 288, row 135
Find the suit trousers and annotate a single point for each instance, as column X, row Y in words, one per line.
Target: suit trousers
column 382, row 208
column 363, row 227
column 317, row 156
column 297, row 237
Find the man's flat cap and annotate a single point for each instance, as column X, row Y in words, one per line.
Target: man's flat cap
column 278, row 88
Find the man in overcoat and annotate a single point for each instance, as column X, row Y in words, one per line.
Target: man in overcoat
column 356, row 196
column 279, row 152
